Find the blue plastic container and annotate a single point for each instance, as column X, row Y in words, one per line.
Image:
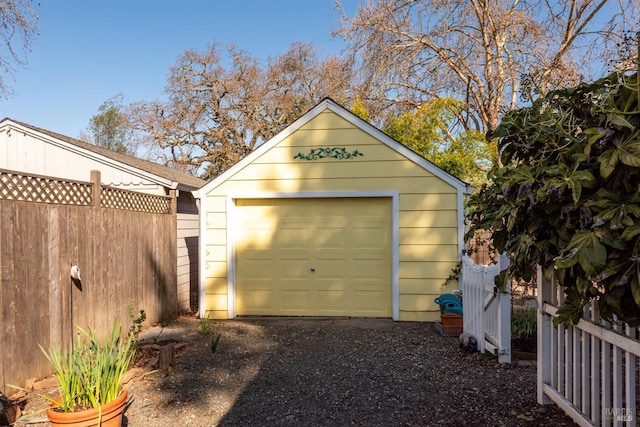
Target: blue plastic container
column 449, row 303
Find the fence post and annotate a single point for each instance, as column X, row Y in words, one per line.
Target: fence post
column 504, row 315
column 174, row 201
column 545, row 335
column 97, row 188
column 504, row 324
column 462, row 285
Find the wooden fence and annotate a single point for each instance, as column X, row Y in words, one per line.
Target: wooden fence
column 590, row 369
column 126, row 253
column 487, row 314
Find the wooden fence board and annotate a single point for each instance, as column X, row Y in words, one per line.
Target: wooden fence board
column 2, row 306
column 124, row 257
column 7, row 332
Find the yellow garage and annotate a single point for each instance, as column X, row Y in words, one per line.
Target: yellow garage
column 331, row 217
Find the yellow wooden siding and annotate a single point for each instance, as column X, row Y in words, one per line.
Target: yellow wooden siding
column 346, row 168
column 430, row 235
column 327, row 120
column 371, row 149
column 412, row 185
column 445, row 253
column 427, row 218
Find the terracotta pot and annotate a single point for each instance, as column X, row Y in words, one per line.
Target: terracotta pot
column 111, row 415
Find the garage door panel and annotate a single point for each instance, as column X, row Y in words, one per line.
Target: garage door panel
column 293, row 269
column 258, row 300
column 297, row 300
column 292, row 238
column 368, row 304
column 259, row 269
column 286, row 254
column 260, row 238
column 331, row 301
column 331, row 269
column 253, row 253
column 331, row 254
column 347, row 242
column 328, row 238
column 331, row 285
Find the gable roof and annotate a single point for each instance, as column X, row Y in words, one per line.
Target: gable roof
column 161, row 173
column 329, row 104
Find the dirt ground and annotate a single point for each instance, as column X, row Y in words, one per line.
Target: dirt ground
column 325, row 372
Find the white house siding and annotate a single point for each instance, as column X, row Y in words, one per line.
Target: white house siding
column 187, row 250
column 50, row 157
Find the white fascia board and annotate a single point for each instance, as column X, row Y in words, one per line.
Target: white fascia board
column 309, row 194
column 94, row 156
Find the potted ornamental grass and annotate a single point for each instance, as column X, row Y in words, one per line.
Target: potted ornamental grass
column 89, row 375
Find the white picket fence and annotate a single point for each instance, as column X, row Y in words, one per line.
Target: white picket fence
column 487, row 311
column 590, row 370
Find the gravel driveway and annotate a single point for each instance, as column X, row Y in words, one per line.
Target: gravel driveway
column 332, row 372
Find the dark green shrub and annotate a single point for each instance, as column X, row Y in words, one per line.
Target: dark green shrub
column 567, row 196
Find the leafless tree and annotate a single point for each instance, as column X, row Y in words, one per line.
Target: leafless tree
column 18, row 25
column 483, row 52
column 222, row 103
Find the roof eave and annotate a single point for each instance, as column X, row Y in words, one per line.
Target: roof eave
column 154, row 178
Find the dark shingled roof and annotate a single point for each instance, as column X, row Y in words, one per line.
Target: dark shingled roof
column 145, row 165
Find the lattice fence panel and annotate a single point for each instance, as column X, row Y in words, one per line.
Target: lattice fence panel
column 15, row 186
column 133, row 201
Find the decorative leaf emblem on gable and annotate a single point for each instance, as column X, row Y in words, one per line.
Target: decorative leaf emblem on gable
column 324, row 152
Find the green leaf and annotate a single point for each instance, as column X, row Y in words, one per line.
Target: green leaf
column 585, row 249
column 608, row 162
column 619, row 120
column 576, row 190
column 630, row 232
column 596, row 134
column 635, row 284
column 629, row 151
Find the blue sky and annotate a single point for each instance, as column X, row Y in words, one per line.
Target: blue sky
column 91, row 50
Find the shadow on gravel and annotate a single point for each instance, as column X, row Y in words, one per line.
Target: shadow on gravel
column 321, row 372
column 199, row 376
column 381, row 373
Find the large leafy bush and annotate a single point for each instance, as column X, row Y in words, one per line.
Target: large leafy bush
column 567, row 197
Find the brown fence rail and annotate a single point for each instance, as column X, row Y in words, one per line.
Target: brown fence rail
column 126, row 257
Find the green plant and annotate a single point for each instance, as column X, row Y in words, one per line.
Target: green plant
column 136, row 323
column 566, row 197
column 166, row 322
column 205, row 326
column 455, row 274
column 523, row 323
column 90, row 372
column 214, row 344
